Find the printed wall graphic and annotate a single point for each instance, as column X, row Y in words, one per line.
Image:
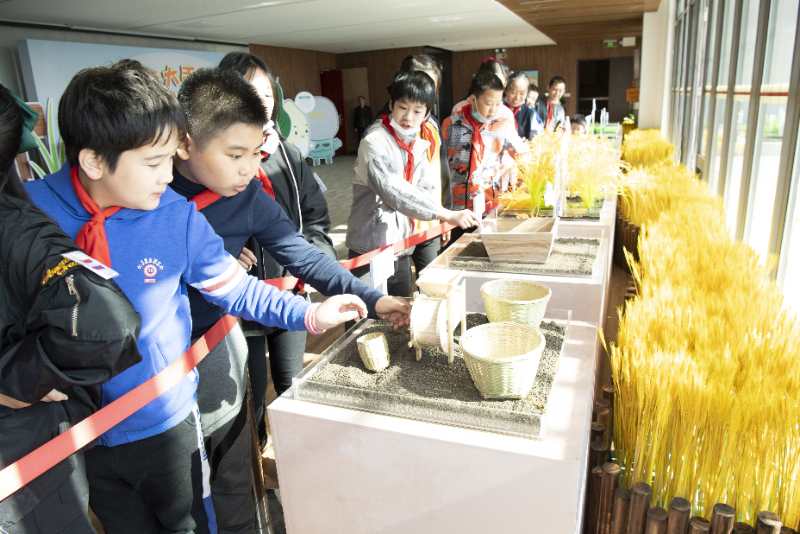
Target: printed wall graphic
column 48, row 66
column 310, row 122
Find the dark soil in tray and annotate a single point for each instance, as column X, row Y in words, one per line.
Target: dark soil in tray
column 430, row 389
column 570, row 256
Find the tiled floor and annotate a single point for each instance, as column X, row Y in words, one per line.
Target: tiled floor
column 338, row 179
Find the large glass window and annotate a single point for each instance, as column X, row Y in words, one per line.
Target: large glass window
column 715, row 150
column 771, row 120
column 708, row 83
column 741, row 106
column 790, row 275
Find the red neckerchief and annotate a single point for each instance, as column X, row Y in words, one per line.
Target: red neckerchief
column 550, row 111
column 408, row 148
column 207, row 197
column 92, row 238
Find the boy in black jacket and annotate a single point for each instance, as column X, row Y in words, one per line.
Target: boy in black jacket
column 215, row 169
column 63, row 331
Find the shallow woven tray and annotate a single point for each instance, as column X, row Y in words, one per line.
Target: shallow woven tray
column 570, row 256
column 429, row 390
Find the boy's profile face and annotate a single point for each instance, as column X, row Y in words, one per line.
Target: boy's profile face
column 488, row 102
column 139, row 178
column 260, row 81
column 409, row 114
column 228, row 161
column 516, row 92
column 557, row 90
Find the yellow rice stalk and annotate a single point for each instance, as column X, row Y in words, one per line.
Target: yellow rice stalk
column 593, row 168
column 706, row 369
column 538, row 168
column 648, row 192
column 642, row 148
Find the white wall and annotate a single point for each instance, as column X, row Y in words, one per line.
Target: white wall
column 656, row 66
column 10, row 75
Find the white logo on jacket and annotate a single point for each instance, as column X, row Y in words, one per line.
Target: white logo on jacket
column 150, row 268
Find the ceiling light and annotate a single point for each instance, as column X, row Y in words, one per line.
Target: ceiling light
column 445, row 19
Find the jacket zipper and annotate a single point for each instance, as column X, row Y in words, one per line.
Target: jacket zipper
column 74, row 292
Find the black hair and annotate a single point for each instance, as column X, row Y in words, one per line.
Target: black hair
column 10, row 137
column 497, row 68
column 415, row 86
column 423, row 63
column 578, row 119
column 556, row 79
column 244, row 64
column 113, row 109
column 533, row 87
column 216, row 99
column 485, row 81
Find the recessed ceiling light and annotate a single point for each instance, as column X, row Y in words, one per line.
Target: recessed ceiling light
column 446, row 18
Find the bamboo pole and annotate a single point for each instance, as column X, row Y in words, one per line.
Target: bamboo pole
column 698, row 525
column 593, row 503
column 656, row 521
column 608, row 485
column 640, row 502
column 619, row 517
column 598, row 429
column 768, row 523
column 743, row 528
column 678, row 520
column 599, row 453
column 722, row 519
column 608, row 394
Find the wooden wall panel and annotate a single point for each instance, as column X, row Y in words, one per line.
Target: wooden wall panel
column 381, row 67
column 297, row 69
column 561, row 59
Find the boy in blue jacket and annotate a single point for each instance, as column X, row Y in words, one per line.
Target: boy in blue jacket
column 121, row 129
column 215, row 168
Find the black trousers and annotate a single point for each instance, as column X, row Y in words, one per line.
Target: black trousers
column 230, row 456
column 425, row 253
column 64, row 510
column 154, row 485
column 399, row 285
column 286, row 350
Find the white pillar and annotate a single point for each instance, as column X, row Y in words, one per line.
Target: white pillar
column 656, row 68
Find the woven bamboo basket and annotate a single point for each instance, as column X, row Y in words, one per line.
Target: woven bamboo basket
column 374, row 351
column 519, row 301
column 503, row 358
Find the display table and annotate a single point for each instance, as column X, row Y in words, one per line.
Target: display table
column 584, row 295
column 346, row 471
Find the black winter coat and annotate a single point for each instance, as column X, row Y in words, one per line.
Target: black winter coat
column 61, row 327
column 300, row 195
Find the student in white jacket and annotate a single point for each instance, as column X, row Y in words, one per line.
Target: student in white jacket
column 395, row 173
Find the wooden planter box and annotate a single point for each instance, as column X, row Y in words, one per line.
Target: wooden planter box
column 514, row 240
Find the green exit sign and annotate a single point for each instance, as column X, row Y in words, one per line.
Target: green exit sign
column 609, row 43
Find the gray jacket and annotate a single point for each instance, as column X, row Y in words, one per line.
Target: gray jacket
column 383, row 201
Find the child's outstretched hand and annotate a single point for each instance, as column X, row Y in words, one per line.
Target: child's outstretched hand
column 463, row 219
column 393, row 309
column 334, row 311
